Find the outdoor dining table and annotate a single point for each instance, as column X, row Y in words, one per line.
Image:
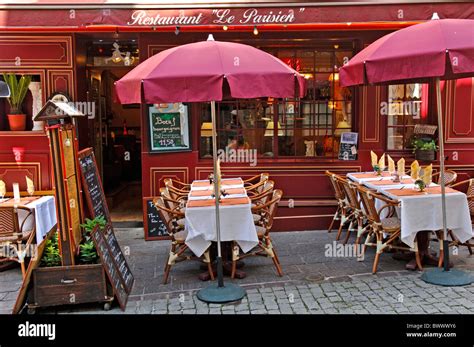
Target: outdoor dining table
column 420, row 211
column 44, row 214
column 236, row 218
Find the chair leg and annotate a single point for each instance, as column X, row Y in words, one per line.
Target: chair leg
column 167, row 273
column 235, row 258
column 339, row 231
column 337, row 216
column 349, row 229
column 276, row 261
column 377, row 254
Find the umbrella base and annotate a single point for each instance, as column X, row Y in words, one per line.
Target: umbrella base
column 219, row 295
column 451, row 278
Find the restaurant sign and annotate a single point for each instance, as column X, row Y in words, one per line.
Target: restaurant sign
column 251, row 16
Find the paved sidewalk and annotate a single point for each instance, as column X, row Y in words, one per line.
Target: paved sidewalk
column 317, row 279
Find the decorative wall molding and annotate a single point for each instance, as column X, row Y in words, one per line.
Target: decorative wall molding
column 36, row 51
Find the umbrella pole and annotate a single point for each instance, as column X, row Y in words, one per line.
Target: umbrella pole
column 444, row 277
column 439, row 111
column 219, row 293
column 217, row 193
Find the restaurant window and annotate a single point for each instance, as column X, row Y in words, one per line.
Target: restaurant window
column 407, row 106
column 294, row 127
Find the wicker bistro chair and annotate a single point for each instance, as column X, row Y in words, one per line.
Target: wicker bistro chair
column 174, row 221
column 175, row 205
column 177, row 184
column 257, row 178
column 354, row 212
column 450, row 177
column 385, row 227
column 175, row 193
column 14, row 239
column 468, row 186
column 339, row 215
column 257, row 187
column 264, row 225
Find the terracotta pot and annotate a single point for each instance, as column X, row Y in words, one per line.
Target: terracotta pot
column 17, row 122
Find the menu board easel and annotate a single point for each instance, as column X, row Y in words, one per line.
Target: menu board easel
column 92, row 183
column 114, row 263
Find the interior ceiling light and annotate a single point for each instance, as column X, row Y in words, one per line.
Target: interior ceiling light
column 255, row 30
column 225, row 27
column 176, row 31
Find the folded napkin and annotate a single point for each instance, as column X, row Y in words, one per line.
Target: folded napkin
column 427, row 174
column 391, row 164
column 415, row 170
column 382, row 162
column 373, row 158
column 3, row 188
column 401, row 167
column 30, row 186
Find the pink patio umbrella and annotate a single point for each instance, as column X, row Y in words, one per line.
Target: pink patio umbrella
column 198, row 72
column 427, row 52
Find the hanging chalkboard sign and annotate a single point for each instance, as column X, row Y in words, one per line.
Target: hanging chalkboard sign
column 154, row 227
column 92, row 184
column 114, row 263
column 169, row 127
column 348, row 146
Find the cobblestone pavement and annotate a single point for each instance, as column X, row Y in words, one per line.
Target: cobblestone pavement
column 314, row 281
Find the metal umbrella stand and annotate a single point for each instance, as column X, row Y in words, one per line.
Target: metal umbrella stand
column 427, row 52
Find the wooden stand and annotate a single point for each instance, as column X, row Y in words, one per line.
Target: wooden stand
column 72, row 284
column 69, row 285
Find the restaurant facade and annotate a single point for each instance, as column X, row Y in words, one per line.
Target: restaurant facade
column 78, row 50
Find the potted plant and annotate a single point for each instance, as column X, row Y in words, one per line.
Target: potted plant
column 424, row 149
column 18, row 90
column 420, row 184
column 87, row 252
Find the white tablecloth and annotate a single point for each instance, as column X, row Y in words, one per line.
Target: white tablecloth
column 236, row 224
column 423, row 212
column 44, row 216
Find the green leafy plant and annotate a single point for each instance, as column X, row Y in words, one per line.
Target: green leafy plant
column 18, row 90
column 87, row 251
column 51, row 255
column 424, row 144
column 420, row 184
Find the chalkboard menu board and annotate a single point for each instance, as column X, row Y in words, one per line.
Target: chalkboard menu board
column 114, row 263
column 92, row 185
column 169, row 127
column 348, row 146
column 154, row 227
